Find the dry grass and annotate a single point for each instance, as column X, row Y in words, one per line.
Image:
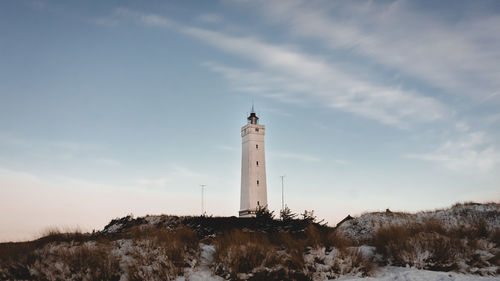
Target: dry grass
column 466, row 203
column 55, row 234
column 22, row 252
column 96, row 262
column 430, row 246
column 337, row 240
column 268, row 250
column 65, row 261
column 281, row 255
column 357, row 262
column 314, row 237
column 277, row 256
column 294, row 247
column 177, row 245
column 157, row 253
column 240, row 252
column 495, row 237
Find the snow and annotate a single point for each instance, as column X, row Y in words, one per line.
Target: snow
column 459, row 216
column 366, row 251
column 114, row 228
column 202, row 271
column 349, row 263
column 391, row 273
column 153, row 220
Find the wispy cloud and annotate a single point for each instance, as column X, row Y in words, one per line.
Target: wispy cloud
column 66, row 145
column 340, row 162
column 379, row 32
column 7, row 139
column 312, row 77
column 492, row 119
column 471, row 153
column 159, row 182
column 292, row 75
column 182, row 171
column 107, row 161
column 296, row 156
column 462, row 126
column 459, row 56
column 144, row 18
column 210, row 18
column 262, row 83
column 227, row 148
column 275, row 111
column 320, row 126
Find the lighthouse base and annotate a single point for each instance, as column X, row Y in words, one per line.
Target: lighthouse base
column 247, row 214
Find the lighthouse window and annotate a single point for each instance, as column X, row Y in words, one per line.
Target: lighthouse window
column 257, row 163
column 256, row 129
column 257, row 182
column 257, row 146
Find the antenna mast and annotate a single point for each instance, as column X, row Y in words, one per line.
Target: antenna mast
column 282, row 193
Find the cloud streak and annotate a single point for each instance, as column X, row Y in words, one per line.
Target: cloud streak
column 290, row 74
column 293, row 75
column 297, row 156
column 324, row 82
column 460, row 57
column 470, row 153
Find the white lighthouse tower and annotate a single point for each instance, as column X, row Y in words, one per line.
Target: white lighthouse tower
column 253, row 167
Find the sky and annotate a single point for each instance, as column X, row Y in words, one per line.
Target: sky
column 110, row 108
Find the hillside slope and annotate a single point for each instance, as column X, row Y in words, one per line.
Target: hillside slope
column 459, row 216
column 464, row 239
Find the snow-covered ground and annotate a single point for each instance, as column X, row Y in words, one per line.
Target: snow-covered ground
column 388, row 273
column 391, row 273
column 464, row 238
column 202, row 271
column 458, row 216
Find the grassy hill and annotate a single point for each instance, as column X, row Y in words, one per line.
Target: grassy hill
column 464, row 238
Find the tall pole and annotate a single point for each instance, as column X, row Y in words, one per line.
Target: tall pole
column 282, row 193
column 202, row 199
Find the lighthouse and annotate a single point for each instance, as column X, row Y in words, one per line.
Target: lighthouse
column 253, row 167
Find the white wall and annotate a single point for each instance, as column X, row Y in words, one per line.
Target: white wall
column 251, row 192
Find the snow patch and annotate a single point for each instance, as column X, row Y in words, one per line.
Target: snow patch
column 202, row 271
column 390, row 273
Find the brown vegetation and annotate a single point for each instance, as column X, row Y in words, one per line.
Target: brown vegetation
column 153, row 252
column 261, row 248
column 282, row 255
column 428, row 245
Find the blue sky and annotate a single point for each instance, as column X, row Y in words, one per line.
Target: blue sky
column 116, row 107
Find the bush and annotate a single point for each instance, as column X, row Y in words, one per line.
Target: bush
column 419, row 246
column 153, row 253
column 495, row 237
column 175, row 244
column 313, row 237
column 337, row 240
column 97, row 262
column 357, row 262
column 263, row 214
column 94, row 262
column 264, row 255
column 287, row 215
column 239, row 252
column 389, row 239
